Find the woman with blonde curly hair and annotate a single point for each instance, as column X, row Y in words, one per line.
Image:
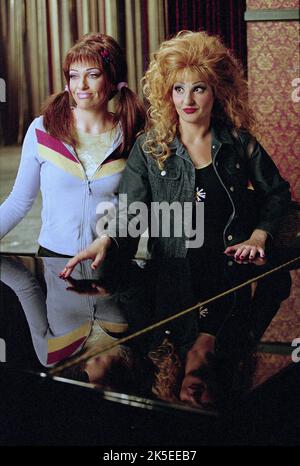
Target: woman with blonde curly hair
column 205, row 57
column 198, row 150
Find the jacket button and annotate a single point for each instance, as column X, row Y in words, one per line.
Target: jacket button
column 237, row 165
column 167, row 332
column 217, row 163
column 231, row 188
column 213, row 146
column 229, row 237
column 163, row 173
column 230, row 263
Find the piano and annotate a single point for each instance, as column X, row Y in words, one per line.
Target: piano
column 141, row 354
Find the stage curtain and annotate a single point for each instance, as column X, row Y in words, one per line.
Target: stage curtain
column 225, row 19
column 35, row 35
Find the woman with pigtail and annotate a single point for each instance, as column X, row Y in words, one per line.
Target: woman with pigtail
column 76, row 151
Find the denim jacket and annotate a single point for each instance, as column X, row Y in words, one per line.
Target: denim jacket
column 263, row 208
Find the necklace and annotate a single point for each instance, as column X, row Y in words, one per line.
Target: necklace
column 200, row 194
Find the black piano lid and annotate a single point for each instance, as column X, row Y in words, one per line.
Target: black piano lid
column 132, row 336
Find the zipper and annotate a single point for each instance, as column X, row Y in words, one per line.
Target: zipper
column 228, row 223
column 84, row 219
column 116, row 143
column 83, row 242
column 91, row 300
column 228, row 194
column 87, row 189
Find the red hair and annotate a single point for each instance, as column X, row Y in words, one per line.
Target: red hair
column 105, row 53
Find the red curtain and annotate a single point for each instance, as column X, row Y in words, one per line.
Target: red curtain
column 224, row 18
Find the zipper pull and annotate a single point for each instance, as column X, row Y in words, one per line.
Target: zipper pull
column 88, row 183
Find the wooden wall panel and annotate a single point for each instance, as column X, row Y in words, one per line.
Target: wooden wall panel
column 273, row 64
column 274, row 4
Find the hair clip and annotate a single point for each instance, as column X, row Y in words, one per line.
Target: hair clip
column 105, row 56
column 121, row 84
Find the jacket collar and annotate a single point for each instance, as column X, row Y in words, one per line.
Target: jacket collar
column 220, row 135
column 115, row 144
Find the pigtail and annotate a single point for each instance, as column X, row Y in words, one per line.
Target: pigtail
column 132, row 117
column 57, row 118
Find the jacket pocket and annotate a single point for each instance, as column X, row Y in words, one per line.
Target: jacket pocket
column 166, row 174
column 165, row 183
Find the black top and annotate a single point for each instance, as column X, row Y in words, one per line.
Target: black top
column 217, row 206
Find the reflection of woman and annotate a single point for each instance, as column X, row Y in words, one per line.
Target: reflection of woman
column 193, row 389
column 220, row 336
column 200, row 378
column 63, row 323
column 76, row 318
column 199, row 149
column 76, row 151
column 211, row 380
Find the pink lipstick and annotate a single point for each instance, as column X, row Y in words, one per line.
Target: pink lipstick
column 189, row 110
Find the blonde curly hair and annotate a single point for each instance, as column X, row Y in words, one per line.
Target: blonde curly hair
column 212, row 61
column 168, row 371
